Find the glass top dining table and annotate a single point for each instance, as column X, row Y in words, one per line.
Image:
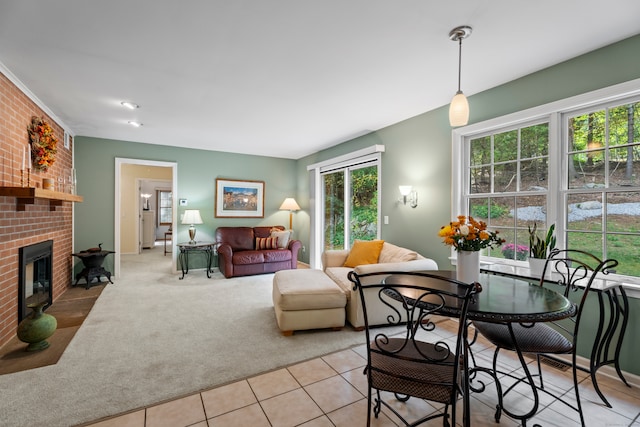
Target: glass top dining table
column 501, row 299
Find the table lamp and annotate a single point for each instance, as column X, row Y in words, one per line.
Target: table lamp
column 290, row 205
column 192, row 216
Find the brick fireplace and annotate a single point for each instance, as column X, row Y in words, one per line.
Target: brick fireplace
column 37, row 223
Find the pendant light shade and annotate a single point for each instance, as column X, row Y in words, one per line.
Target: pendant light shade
column 459, row 107
column 459, row 110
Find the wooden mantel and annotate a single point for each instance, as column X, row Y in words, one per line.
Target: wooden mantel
column 27, row 196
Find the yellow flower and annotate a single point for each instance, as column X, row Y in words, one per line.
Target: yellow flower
column 445, row 231
column 467, row 234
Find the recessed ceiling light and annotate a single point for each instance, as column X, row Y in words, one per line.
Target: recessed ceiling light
column 136, row 124
column 130, row 105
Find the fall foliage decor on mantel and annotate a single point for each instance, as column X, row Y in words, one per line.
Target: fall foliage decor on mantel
column 43, row 144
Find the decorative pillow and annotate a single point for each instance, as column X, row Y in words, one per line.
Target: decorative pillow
column 393, row 253
column 266, row 243
column 282, row 237
column 364, row 252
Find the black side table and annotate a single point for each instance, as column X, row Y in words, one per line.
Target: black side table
column 185, row 248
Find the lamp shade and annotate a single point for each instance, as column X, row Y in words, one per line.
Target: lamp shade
column 459, row 110
column 405, row 190
column 191, row 216
column 289, row 204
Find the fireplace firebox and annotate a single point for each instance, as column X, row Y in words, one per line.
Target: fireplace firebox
column 35, row 278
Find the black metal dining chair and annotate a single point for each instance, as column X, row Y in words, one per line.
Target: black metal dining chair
column 410, row 362
column 571, row 272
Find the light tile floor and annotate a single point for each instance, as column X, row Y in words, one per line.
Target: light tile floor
column 330, row 391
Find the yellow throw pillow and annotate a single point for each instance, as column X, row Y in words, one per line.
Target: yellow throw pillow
column 364, row 252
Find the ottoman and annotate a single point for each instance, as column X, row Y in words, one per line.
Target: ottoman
column 307, row 299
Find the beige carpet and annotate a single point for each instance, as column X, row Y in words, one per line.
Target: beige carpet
column 151, row 337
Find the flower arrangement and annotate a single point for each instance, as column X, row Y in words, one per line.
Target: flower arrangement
column 467, row 234
column 43, row 143
column 513, row 251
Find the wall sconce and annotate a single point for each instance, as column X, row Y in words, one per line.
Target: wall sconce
column 145, row 204
column 408, row 195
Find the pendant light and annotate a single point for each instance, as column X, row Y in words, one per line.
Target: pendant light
column 459, row 107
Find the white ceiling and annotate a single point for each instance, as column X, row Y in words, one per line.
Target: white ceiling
column 281, row 78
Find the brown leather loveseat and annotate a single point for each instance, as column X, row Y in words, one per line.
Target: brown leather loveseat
column 238, row 255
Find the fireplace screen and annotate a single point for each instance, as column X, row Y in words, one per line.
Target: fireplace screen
column 35, row 276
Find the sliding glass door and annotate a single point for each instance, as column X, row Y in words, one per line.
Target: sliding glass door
column 350, row 205
column 334, row 210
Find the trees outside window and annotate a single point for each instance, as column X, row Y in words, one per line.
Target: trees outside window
column 350, row 192
column 602, row 197
column 576, row 168
column 507, row 184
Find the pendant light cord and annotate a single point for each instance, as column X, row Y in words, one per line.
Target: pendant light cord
column 459, row 61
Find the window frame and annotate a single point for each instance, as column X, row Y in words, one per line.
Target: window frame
column 494, row 194
column 159, row 208
column 555, row 113
column 347, row 172
column 373, row 152
column 604, row 234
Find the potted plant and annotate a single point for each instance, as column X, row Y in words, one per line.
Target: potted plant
column 540, row 248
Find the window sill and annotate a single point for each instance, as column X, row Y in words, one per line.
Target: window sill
column 631, row 284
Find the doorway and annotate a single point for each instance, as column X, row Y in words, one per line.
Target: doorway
column 129, row 174
column 156, row 211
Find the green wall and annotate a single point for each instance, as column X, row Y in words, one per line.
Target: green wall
column 197, row 173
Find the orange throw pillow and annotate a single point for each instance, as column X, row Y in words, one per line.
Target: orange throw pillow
column 364, row 252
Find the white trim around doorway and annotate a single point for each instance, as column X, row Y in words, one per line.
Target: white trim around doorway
column 117, row 214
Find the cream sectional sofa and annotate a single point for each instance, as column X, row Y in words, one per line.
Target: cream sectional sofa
column 392, row 258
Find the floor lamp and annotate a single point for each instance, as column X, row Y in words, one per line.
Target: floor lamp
column 290, row 205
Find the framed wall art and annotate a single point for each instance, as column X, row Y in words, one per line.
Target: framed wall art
column 239, row 199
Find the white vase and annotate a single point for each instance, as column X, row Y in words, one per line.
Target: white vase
column 536, row 266
column 468, row 266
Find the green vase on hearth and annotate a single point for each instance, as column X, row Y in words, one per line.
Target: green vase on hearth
column 36, row 328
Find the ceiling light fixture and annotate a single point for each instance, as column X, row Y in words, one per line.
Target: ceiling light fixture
column 459, row 107
column 135, row 124
column 130, row 105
